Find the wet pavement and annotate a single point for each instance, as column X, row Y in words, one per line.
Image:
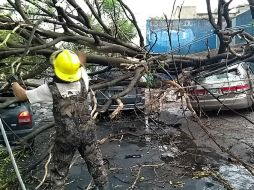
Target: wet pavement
column 168, row 152
column 163, row 165
column 231, row 131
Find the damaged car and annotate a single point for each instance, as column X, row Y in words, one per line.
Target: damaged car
column 228, row 88
column 135, row 99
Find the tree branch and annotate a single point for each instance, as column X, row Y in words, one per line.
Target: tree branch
column 134, row 22
column 210, row 15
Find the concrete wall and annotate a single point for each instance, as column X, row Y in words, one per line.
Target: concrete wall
column 244, row 20
column 191, row 35
column 187, row 36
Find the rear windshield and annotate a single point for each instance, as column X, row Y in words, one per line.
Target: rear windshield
column 111, row 74
column 231, row 75
column 6, row 95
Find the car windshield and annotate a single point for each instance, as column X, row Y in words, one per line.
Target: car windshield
column 231, row 75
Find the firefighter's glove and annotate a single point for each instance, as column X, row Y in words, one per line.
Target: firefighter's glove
column 13, row 78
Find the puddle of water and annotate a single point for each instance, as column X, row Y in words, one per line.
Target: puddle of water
column 237, row 176
column 203, row 184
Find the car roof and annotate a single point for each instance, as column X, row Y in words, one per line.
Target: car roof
column 232, row 66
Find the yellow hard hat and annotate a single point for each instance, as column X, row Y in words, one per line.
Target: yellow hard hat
column 66, row 65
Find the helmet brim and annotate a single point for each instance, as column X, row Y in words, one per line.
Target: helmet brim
column 68, row 77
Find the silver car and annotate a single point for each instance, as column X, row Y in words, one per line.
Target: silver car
column 232, row 86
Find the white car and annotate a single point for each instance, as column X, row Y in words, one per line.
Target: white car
column 232, row 86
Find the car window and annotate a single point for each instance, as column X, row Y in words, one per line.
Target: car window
column 13, row 105
column 9, row 94
column 111, row 74
column 251, row 66
column 231, row 75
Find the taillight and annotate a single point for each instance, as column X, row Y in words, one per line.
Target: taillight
column 237, row 88
column 199, row 92
column 24, row 118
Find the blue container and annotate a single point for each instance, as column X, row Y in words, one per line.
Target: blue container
column 187, row 36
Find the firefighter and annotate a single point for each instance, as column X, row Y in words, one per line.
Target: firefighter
column 75, row 130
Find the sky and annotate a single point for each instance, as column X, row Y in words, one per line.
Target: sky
column 144, row 9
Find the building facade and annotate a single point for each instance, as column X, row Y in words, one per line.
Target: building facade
column 243, row 21
column 185, row 36
column 192, row 33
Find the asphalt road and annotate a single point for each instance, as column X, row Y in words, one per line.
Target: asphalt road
column 173, row 154
column 231, row 131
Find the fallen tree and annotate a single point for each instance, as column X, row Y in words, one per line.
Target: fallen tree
column 33, row 30
column 31, row 37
